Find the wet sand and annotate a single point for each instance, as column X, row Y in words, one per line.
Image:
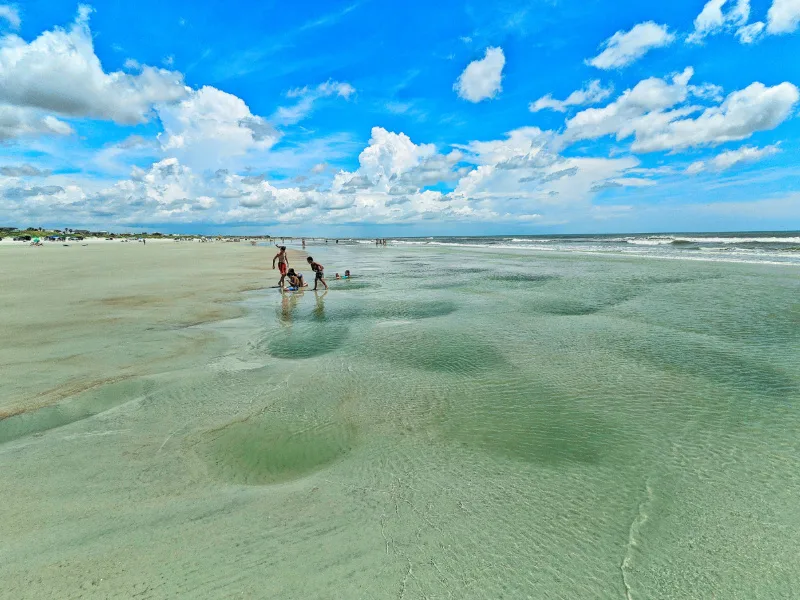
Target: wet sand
column 78, row 317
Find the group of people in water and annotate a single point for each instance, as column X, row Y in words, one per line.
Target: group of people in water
column 292, row 281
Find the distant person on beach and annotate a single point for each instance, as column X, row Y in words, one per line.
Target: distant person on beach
column 283, row 263
column 304, row 243
column 319, row 274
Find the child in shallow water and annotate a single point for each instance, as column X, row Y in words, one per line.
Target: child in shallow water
column 347, row 274
column 295, row 282
column 298, row 278
column 319, row 272
column 337, row 276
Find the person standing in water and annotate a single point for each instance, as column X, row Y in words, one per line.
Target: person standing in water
column 318, row 270
column 283, row 263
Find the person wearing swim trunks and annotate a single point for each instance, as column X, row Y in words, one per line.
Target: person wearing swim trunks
column 283, row 263
column 319, row 271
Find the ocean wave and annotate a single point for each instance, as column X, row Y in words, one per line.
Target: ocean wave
column 652, row 241
column 663, row 251
column 764, row 249
column 649, row 241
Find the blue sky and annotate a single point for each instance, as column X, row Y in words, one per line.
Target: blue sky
column 417, row 118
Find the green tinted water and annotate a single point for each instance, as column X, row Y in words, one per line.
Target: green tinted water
column 452, row 423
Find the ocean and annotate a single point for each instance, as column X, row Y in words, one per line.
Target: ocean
column 776, row 247
column 561, row 417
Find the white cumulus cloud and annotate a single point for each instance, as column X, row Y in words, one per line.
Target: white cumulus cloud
column 391, row 154
column 591, row 94
column 523, row 143
column 748, row 34
column 783, row 16
column 623, row 116
column 59, row 72
column 655, row 113
column 10, row 15
column 719, row 16
column 307, row 96
column 210, row 127
column 744, row 112
column 482, row 78
column 731, row 158
column 626, row 47
column 17, row 122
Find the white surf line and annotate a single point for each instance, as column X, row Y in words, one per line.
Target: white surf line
column 383, row 532
column 167, row 439
column 638, row 522
column 93, row 434
column 73, row 436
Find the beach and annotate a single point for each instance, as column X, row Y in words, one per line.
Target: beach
column 79, row 317
column 456, row 421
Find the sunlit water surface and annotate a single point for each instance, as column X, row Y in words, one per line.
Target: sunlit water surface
column 451, row 423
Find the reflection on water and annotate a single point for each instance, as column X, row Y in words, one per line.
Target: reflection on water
column 288, row 306
column 319, row 309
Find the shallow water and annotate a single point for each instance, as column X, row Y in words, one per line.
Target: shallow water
column 540, row 425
